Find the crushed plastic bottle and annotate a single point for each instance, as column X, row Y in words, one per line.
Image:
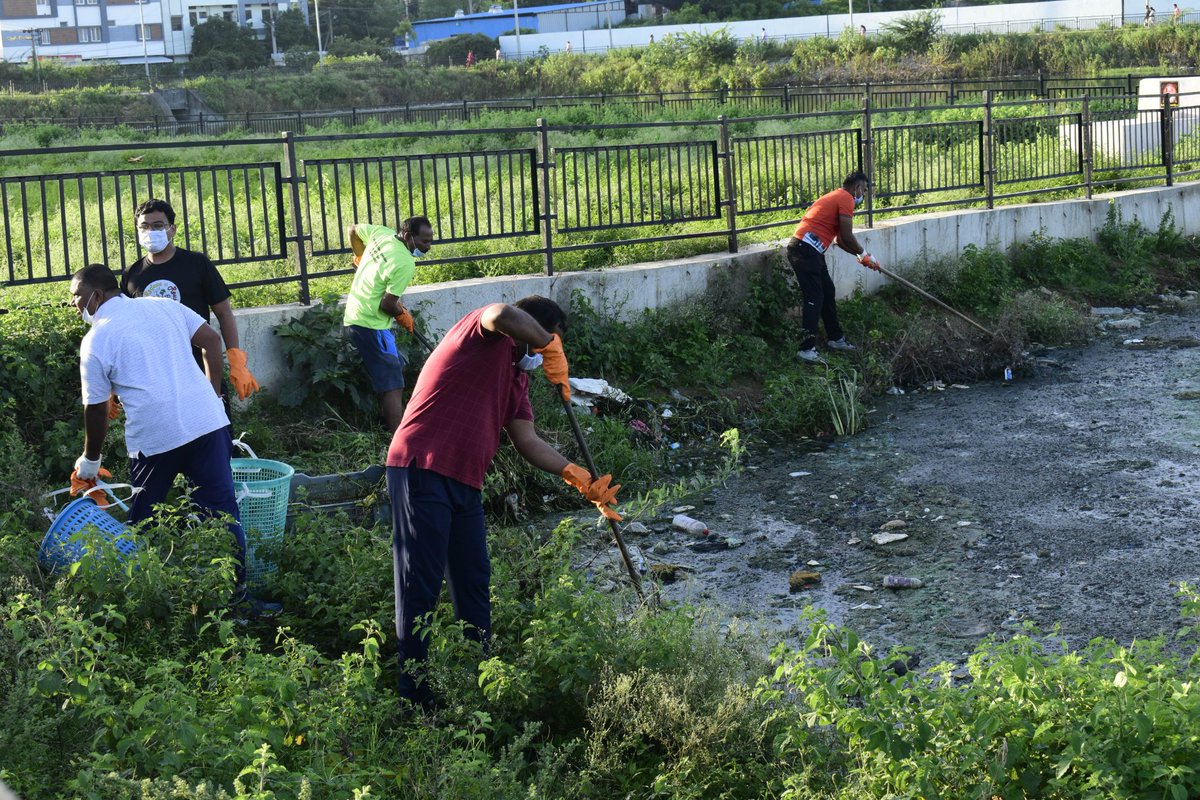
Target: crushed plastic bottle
column 693, row 526
column 902, row 582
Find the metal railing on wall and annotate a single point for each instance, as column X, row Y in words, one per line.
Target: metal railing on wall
column 545, row 195
column 767, row 100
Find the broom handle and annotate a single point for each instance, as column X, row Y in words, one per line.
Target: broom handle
column 616, row 531
column 932, row 299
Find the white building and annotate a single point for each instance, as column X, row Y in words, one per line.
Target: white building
column 126, row 31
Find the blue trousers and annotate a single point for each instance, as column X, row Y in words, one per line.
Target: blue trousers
column 205, row 462
column 437, row 530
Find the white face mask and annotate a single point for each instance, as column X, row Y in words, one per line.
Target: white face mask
column 154, row 241
column 858, row 198
column 87, row 316
column 529, row 362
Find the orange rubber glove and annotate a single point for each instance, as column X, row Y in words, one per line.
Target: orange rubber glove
column 243, row 381
column 597, row 490
column 404, row 320
column 88, row 486
column 114, row 407
column 554, row 365
column 869, row 261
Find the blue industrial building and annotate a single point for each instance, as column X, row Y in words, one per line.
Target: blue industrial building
column 542, row 19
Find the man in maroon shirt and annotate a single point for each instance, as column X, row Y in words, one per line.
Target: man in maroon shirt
column 473, row 386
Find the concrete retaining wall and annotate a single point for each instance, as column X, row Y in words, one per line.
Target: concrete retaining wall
column 628, row 290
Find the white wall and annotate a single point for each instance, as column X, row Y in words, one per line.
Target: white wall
column 1010, row 16
column 898, row 244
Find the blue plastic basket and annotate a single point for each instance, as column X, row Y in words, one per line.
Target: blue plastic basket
column 59, row 551
column 262, row 488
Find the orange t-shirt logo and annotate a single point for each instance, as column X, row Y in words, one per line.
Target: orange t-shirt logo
column 823, row 217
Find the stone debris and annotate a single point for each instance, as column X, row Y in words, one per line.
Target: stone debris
column 1126, row 324
column 813, row 563
column 682, row 509
column 1107, row 311
column 637, row 529
column 893, row 524
column 895, row 390
column 888, row 538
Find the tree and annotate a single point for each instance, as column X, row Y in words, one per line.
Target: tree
column 454, row 50
column 290, row 31
column 218, row 44
column 361, row 19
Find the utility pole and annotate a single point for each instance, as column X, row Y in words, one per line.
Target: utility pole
column 145, row 43
column 35, row 34
column 517, row 24
column 320, row 49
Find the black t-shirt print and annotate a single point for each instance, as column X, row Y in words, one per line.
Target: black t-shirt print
column 188, row 277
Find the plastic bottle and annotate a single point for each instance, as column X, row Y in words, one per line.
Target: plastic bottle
column 693, row 526
column 901, row 582
column 1008, row 373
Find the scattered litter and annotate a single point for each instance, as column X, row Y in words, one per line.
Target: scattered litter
column 901, row 582
column 682, row 509
column 813, row 563
column 803, row 579
column 888, row 538
column 1014, row 575
column 732, row 542
column 584, row 391
column 1129, row 342
column 935, row 386
column 865, row 607
column 939, row 518
column 862, row 587
column 637, row 528
column 959, row 386
column 1127, row 324
column 798, row 474
column 854, row 540
column 895, row 390
column 962, row 523
column 674, row 445
column 833, row 497
column 693, row 526
column 893, row 524
column 667, row 413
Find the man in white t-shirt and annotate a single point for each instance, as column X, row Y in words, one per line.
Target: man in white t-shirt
column 175, row 423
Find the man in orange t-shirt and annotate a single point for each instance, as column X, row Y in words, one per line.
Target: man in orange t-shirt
column 827, row 220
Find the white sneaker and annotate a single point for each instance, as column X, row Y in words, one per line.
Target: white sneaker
column 840, row 344
column 808, row 355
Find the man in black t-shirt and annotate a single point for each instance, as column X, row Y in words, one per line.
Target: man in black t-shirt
column 188, row 278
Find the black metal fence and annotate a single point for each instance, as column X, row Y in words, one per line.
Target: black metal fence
column 770, row 100
column 545, row 195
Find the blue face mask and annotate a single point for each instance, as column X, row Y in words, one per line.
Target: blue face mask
column 417, row 253
column 858, row 199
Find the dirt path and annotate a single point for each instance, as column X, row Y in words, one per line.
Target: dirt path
column 1067, row 496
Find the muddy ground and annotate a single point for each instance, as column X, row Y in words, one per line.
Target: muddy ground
column 1066, row 496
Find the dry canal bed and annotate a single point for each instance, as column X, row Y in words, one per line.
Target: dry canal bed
column 1065, row 497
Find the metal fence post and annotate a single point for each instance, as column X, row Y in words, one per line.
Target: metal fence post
column 354, row 116
column 546, row 213
column 986, row 148
column 1085, row 144
column 1041, row 84
column 787, row 99
column 730, row 199
column 297, row 235
column 953, row 91
column 867, row 159
column 1167, row 128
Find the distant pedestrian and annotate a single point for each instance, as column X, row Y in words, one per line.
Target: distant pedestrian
column 827, row 220
column 763, row 36
column 385, row 266
column 568, row 45
column 470, row 58
column 1149, row 19
column 1176, row 14
column 652, row 38
column 862, row 30
column 498, row 54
